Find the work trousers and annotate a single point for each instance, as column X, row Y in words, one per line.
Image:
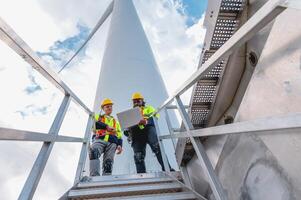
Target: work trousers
column 108, row 150
column 140, row 139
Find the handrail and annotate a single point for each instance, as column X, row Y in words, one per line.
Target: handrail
column 103, row 18
column 268, row 125
column 22, row 135
column 15, row 42
column 260, row 19
column 10, row 37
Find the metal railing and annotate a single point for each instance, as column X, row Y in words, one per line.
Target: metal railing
column 265, row 15
column 9, row 36
column 259, row 20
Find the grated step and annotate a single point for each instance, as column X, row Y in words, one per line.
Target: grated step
column 120, row 191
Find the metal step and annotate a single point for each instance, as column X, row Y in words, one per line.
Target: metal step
column 166, row 196
column 133, row 176
column 125, row 190
column 116, row 183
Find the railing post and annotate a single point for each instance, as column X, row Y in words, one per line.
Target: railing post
column 164, row 157
column 38, row 167
column 169, row 125
column 214, row 183
column 183, row 169
column 84, row 151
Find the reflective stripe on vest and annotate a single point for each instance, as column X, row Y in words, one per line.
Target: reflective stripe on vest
column 106, row 133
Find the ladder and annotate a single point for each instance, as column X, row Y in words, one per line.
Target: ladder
column 158, row 185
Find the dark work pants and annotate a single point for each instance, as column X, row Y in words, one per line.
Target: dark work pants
column 145, row 136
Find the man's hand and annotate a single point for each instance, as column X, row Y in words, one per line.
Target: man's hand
column 143, row 122
column 119, row 149
column 111, row 129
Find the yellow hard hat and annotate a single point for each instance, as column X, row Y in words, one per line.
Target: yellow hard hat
column 137, row 95
column 106, row 102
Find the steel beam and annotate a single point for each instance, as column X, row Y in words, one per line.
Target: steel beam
column 198, row 196
column 270, row 125
column 21, row 135
column 260, row 19
column 40, row 163
column 164, row 157
column 100, row 22
column 10, row 37
column 169, row 126
column 214, row 183
column 84, row 151
column 170, row 107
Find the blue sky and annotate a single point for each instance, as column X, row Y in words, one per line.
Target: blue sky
column 194, row 9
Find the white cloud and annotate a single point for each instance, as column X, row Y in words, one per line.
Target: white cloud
column 35, row 26
column 42, row 22
column 176, row 47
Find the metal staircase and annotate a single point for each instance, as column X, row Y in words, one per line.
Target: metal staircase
column 158, row 186
column 161, row 185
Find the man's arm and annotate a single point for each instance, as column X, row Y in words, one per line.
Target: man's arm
column 100, row 125
column 119, row 137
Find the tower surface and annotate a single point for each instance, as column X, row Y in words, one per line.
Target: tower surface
column 129, row 66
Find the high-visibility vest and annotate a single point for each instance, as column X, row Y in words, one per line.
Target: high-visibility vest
column 147, row 112
column 102, row 132
column 110, row 122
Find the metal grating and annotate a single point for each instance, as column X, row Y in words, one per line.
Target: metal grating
column 204, row 93
column 205, row 90
column 203, row 96
column 224, row 29
column 231, row 5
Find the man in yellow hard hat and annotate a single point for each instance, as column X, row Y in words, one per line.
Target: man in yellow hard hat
column 144, row 133
column 106, row 141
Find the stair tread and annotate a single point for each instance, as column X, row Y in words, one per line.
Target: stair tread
column 126, row 190
column 165, row 196
column 89, row 184
column 133, row 176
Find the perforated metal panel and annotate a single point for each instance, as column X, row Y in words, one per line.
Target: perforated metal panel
column 204, row 94
column 224, row 29
column 231, row 5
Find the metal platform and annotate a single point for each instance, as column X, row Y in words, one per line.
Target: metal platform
column 140, row 186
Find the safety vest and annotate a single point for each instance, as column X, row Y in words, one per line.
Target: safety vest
column 101, row 132
column 147, row 112
column 110, row 121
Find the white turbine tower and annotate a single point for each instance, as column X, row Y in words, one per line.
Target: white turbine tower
column 129, row 66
